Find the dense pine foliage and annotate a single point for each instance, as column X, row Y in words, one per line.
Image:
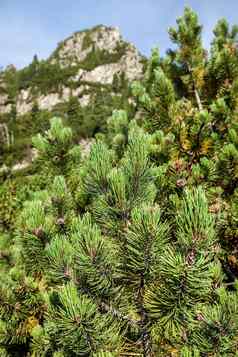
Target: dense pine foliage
column 130, row 248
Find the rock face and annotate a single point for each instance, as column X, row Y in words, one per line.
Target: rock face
column 129, row 64
column 4, row 135
column 5, row 107
column 117, row 57
column 77, row 47
column 25, row 100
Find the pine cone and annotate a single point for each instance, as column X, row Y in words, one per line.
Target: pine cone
column 181, row 182
column 60, row 221
column 38, row 232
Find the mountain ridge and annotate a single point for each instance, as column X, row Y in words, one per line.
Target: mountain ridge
column 93, row 56
column 90, row 69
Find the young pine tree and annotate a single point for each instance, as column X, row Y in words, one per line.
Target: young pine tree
column 188, row 102
column 119, row 278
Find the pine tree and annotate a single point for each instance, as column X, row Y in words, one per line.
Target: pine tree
column 121, row 278
column 223, row 62
column 190, row 55
column 21, row 298
column 56, row 148
column 194, row 139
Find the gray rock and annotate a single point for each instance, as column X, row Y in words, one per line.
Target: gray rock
column 4, row 135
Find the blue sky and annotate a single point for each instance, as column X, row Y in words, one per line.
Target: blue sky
column 36, row 26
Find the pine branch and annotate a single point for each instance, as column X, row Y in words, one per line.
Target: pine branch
column 199, row 103
column 118, row 315
column 198, row 99
column 146, row 340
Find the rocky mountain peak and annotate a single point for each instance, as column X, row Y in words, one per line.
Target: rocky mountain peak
column 83, row 81
column 86, row 58
column 77, row 47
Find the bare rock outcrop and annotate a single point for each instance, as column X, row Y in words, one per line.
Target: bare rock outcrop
column 5, row 106
column 129, row 64
column 4, row 135
column 77, row 47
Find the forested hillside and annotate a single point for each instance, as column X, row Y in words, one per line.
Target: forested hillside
column 84, row 79
column 126, row 245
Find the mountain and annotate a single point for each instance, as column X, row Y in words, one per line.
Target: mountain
column 85, row 78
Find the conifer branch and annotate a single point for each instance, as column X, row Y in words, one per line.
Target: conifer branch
column 118, row 315
column 198, row 99
column 199, row 103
